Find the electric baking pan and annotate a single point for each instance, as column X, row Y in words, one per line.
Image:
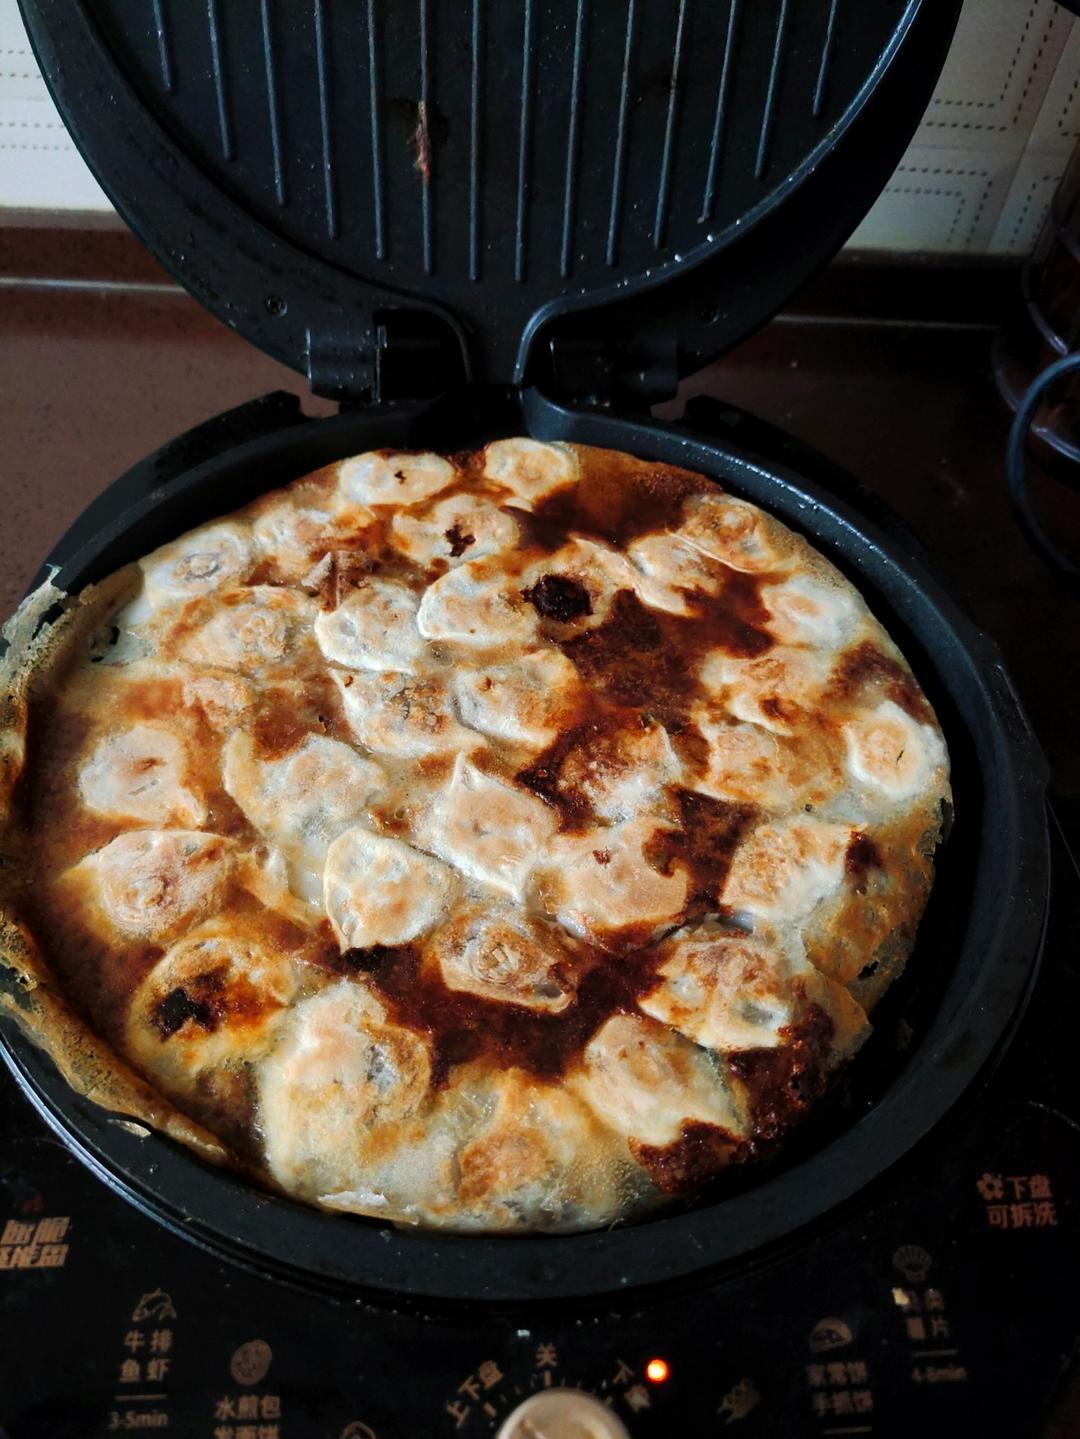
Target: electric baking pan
column 488, row 220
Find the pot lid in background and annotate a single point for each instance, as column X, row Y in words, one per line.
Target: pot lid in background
column 598, row 195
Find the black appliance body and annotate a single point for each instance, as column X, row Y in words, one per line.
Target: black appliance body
column 559, row 337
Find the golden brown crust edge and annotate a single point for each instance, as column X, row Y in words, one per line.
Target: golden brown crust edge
column 38, row 648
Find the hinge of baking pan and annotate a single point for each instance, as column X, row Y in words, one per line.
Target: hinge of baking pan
column 584, row 370
column 401, row 355
column 340, row 369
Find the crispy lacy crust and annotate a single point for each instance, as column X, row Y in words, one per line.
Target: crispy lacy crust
column 37, row 647
column 499, row 843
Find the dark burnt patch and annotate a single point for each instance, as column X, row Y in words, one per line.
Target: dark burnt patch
column 179, row 1005
column 458, row 541
column 462, row 1027
column 616, row 499
column 705, row 843
column 373, row 959
column 544, row 775
column 647, row 657
column 640, row 667
column 559, row 598
column 627, row 659
column 211, row 999
column 862, row 855
column 867, row 665
column 785, row 1082
column 699, row 1154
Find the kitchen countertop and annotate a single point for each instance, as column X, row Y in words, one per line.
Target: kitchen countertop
column 95, row 373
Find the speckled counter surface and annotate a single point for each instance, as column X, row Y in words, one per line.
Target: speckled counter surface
column 94, row 378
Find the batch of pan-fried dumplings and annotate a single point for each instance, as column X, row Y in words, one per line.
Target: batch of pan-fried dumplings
column 505, row 841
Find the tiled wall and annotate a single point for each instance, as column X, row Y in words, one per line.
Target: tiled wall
column 39, row 167
column 976, row 179
column 982, row 168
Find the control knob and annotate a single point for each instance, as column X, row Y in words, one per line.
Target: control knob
column 563, row 1414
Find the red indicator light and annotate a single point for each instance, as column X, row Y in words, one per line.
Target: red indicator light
column 657, row 1370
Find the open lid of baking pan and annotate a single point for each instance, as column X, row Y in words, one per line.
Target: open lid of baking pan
column 598, row 195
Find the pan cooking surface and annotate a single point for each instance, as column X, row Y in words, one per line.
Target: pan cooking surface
column 975, row 951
